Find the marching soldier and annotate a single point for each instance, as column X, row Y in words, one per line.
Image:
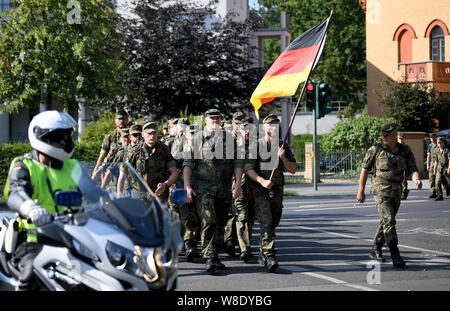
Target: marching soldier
column 388, row 160
column 151, row 161
column 113, row 168
column 431, row 159
column 111, row 142
column 268, row 193
column 441, row 169
column 212, row 174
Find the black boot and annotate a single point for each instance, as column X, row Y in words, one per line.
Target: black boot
column 210, row 266
column 271, row 263
column 397, row 260
column 376, row 254
column 230, row 248
column 245, row 256
column 439, row 198
column 433, row 196
column 191, row 250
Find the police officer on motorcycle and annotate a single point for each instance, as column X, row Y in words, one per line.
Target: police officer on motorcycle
column 33, row 180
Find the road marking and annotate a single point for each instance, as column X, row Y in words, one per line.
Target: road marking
column 362, row 220
column 362, row 287
column 424, row 250
column 332, row 208
column 338, row 266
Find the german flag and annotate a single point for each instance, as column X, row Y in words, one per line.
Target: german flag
column 291, row 68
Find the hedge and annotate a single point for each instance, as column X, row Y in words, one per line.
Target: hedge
column 86, row 152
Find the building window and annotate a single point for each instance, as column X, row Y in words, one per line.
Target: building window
column 7, row 4
column 437, row 44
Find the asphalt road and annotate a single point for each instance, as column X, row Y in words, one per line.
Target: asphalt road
column 323, row 242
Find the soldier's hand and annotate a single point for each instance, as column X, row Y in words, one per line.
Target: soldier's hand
column 266, row 183
column 160, row 189
column 190, row 193
column 361, row 197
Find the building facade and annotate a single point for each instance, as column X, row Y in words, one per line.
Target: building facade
column 407, row 39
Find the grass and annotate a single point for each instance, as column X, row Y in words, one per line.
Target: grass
column 289, row 193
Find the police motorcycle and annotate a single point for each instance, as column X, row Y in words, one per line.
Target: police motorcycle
column 106, row 243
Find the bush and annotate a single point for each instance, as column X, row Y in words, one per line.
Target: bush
column 300, row 140
column 355, row 133
column 96, row 131
column 7, row 153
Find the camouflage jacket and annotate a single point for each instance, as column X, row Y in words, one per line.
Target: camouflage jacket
column 257, row 164
column 442, row 158
column 111, row 144
column 433, row 148
column 212, row 161
column 388, row 165
column 151, row 164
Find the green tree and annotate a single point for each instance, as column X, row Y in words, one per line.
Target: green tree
column 343, row 62
column 53, row 50
column 181, row 56
column 414, row 105
column 355, row 133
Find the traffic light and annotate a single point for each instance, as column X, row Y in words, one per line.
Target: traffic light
column 324, row 97
column 311, row 95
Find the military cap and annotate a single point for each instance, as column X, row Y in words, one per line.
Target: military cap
column 124, row 132
column 150, row 127
column 441, row 139
column 165, row 126
column 135, row 129
column 248, row 120
column 213, row 113
column 433, row 135
column 270, row 118
column 388, row 128
column 191, row 128
column 227, row 123
column 121, row 113
column 400, row 135
column 172, row 122
column 238, row 117
column 184, row 121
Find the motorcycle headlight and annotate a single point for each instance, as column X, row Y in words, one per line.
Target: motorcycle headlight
column 83, row 250
column 120, row 257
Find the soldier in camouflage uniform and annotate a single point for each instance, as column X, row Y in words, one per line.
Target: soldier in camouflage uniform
column 111, row 143
column 169, row 139
column 431, row 159
column 441, row 169
column 113, row 168
column 241, row 220
column 405, row 191
column 188, row 213
column 151, row 162
column 266, row 191
column 212, row 174
column 388, row 160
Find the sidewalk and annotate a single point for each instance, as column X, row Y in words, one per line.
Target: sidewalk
column 342, row 188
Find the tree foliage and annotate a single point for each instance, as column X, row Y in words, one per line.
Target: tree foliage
column 355, row 133
column 343, row 62
column 176, row 60
column 50, row 53
column 413, row 105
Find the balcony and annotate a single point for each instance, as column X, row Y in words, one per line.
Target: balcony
column 433, row 72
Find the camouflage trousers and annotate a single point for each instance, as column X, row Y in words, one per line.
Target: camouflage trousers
column 240, row 221
column 442, row 179
column 432, row 180
column 388, row 204
column 213, row 205
column 190, row 221
column 268, row 210
column 405, row 190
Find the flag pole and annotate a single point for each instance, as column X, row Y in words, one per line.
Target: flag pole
column 303, row 90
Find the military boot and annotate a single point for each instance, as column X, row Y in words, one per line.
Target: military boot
column 191, row 251
column 230, row 248
column 376, row 253
column 439, row 198
column 397, row 260
column 271, row 263
column 433, row 196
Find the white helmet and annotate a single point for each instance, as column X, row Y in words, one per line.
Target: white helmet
column 52, row 121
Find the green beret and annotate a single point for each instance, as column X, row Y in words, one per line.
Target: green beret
column 388, row 128
column 270, row 118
